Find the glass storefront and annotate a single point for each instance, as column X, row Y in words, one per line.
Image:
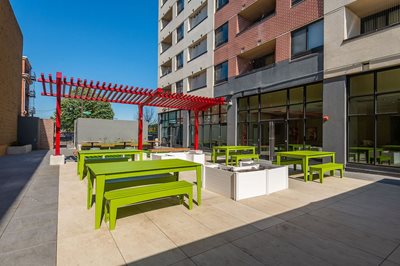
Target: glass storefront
column 171, row 128
column 291, row 118
column 374, row 118
column 212, row 127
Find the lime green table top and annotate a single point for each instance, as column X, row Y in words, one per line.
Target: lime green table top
column 304, row 153
column 120, row 170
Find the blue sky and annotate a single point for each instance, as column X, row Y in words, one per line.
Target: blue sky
column 112, row 41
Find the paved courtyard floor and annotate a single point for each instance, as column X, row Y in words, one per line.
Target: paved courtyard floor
column 345, row 221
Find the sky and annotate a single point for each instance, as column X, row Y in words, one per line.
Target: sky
column 111, row 41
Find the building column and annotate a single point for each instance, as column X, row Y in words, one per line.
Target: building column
column 232, row 128
column 334, row 106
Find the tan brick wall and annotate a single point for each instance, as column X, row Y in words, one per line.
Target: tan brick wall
column 46, row 134
column 10, row 74
column 286, row 19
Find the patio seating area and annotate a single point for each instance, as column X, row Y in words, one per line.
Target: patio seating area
column 336, row 223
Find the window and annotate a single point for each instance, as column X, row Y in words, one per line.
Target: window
column 179, row 61
column 180, row 6
column 221, row 72
column 198, row 49
column 308, row 39
column 296, row 2
column 380, row 20
column 221, row 3
column 263, row 61
column 374, row 118
column 198, row 81
column 221, row 35
column 179, row 87
column 180, row 32
column 198, row 16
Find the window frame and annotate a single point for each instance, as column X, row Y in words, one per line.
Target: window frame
column 308, row 50
column 177, row 7
column 215, row 34
column 216, row 82
column 183, row 32
column 217, row 8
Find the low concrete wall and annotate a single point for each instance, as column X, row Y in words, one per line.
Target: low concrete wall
column 107, row 131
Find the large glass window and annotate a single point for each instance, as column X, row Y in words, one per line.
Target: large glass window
column 221, row 72
column 179, row 61
column 221, row 35
column 308, row 39
column 374, row 118
column 180, row 32
column 179, row 87
column 380, row 20
column 295, row 112
column 221, row 3
column 171, row 128
column 180, row 6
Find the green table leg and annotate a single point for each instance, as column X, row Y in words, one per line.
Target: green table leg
column 90, row 181
column 227, row 157
column 141, row 156
column 305, row 169
column 213, row 155
column 199, row 177
column 278, row 159
column 80, row 166
column 333, row 161
column 100, row 184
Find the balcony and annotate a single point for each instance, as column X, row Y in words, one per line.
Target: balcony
column 166, row 68
column 197, row 49
column 255, row 13
column 257, row 58
column 166, row 43
column 166, row 19
column 198, row 16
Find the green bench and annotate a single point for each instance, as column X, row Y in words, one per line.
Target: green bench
column 325, row 167
column 131, row 182
column 238, row 157
column 90, row 160
column 295, row 162
column 120, row 198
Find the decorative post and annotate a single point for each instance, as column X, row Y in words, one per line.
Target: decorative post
column 196, row 129
column 58, row 113
column 140, row 127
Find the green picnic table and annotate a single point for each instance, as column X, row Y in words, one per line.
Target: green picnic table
column 102, row 153
column 368, row 151
column 305, row 156
column 226, row 150
column 122, row 170
column 298, row 147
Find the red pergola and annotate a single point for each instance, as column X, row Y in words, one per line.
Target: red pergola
column 61, row 87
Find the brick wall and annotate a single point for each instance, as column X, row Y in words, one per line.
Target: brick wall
column 46, row 134
column 10, row 75
column 285, row 20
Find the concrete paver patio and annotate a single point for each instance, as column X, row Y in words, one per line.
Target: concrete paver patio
column 342, row 222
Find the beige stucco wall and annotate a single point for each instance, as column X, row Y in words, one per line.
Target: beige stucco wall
column 10, row 74
column 345, row 55
column 204, row 62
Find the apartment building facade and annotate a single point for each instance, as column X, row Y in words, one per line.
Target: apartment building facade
column 306, row 74
column 185, row 60
column 362, row 82
column 273, row 53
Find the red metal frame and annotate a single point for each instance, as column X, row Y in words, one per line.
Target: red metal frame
column 97, row 91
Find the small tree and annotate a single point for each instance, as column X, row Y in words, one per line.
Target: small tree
column 149, row 115
column 72, row 109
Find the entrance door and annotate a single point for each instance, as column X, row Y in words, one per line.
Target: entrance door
column 273, row 138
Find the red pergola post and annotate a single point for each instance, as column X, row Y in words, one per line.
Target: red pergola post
column 58, row 113
column 196, row 130
column 140, row 127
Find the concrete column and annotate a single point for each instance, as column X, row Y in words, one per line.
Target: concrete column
column 334, row 106
column 185, row 131
column 232, row 123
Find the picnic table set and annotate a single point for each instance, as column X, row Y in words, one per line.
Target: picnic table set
column 117, row 181
column 120, row 177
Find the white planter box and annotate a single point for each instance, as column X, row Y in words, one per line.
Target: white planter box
column 243, row 185
column 13, row 150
